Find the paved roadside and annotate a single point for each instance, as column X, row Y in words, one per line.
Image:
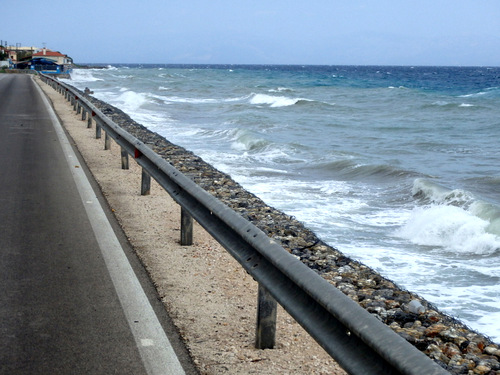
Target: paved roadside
column 70, row 302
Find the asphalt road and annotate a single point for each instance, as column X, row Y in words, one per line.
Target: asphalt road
column 61, row 310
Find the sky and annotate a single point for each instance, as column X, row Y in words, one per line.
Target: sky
column 320, row 32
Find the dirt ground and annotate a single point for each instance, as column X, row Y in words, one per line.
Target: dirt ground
column 211, row 299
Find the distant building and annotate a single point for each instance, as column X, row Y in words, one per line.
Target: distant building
column 4, row 59
column 12, row 55
column 40, row 59
column 55, row 56
column 18, row 53
column 51, row 62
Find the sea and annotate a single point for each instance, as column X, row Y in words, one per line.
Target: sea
column 396, row 166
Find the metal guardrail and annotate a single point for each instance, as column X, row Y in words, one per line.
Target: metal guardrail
column 357, row 340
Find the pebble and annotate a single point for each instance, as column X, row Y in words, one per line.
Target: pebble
column 443, row 338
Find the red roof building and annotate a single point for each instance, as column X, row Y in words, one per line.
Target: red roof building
column 55, row 56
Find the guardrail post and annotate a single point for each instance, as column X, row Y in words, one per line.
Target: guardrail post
column 89, row 121
column 124, row 159
column 84, row 114
column 97, row 130
column 186, row 228
column 78, row 108
column 107, row 141
column 265, row 333
column 145, row 183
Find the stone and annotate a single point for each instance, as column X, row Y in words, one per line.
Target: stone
column 492, row 350
column 450, row 350
column 482, row 370
column 434, row 330
column 415, row 307
column 473, row 348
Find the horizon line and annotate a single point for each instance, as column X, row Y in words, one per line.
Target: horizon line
column 292, row 64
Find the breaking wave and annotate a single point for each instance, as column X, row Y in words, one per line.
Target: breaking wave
column 277, row 101
column 454, row 220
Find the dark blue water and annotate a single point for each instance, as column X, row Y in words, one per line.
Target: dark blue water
column 395, row 166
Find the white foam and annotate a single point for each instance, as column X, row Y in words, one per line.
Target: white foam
column 473, row 95
column 82, row 75
column 281, row 89
column 135, row 104
column 273, row 101
column 176, row 99
column 382, row 219
column 451, row 228
column 131, row 100
column 489, row 323
column 441, row 103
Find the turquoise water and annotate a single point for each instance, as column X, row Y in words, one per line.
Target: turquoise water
column 395, row 166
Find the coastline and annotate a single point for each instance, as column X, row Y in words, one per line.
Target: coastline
column 378, row 295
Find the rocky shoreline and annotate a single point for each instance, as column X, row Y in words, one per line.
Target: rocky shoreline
column 444, row 339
